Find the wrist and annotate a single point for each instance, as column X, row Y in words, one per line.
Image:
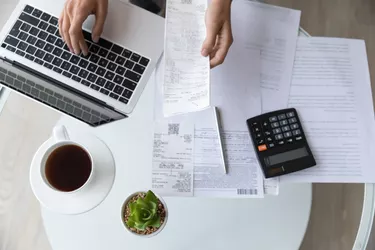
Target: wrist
column 222, row 2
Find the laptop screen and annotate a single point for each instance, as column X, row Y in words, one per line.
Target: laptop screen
column 57, row 95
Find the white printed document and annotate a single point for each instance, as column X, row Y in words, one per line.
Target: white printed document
column 271, row 186
column 236, row 91
column 244, row 178
column 332, row 94
column 172, row 167
column 235, row 87
column 187, row 73
column 272, row 30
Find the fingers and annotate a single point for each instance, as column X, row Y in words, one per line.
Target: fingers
column 70, row 26
column 100, row 16
column 83, row 46
column 209, row 42
column 65, row 31
column 61, row 22
column 225, row 40
column 75, row 32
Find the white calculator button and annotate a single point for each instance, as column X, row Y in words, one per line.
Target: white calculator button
column 279, row 136
column 294, row 126
column 283, row 122
column 292, row 120
column 287, row 134
column 277, row 131
column 296, row 132
column 273, row 119
column 285, row 128
column 275, row 124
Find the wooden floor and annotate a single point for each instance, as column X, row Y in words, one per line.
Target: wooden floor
column 336, row 208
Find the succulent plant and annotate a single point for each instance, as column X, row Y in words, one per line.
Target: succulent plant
column 144, row 212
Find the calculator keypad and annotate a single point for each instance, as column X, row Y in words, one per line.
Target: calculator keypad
column 277, row 130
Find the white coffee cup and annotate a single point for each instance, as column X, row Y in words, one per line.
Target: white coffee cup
column 61, row 137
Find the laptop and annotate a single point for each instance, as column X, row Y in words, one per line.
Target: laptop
column 97, row 89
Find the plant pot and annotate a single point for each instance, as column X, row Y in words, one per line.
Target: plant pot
column 134, row 231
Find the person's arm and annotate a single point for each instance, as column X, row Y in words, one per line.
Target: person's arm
column 71, row 20
column 219, row 31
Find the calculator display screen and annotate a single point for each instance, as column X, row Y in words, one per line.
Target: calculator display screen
column 286, row 156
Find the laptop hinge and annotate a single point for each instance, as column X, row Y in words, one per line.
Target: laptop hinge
column 56, row 82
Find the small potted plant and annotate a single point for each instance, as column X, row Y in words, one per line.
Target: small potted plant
column 144, row 214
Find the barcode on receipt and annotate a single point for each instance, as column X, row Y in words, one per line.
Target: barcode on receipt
column 247, row 191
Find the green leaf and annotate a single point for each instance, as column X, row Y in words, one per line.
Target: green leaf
column 143, row 204
column 155, row 222
column 132, row 207
column 146, row 214
column 150, row 196
column 142, row 215
column 152, row 205
column 130, row 223
column 132, row 218
column 140, row 226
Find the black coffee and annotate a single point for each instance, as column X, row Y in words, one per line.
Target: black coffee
column 68, row 168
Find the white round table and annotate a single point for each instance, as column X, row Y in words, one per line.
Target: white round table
column 194, row 223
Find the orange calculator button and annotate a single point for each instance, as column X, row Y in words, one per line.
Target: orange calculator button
column 262, row 147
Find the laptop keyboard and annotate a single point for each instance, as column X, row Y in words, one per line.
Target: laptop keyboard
column 109, row 68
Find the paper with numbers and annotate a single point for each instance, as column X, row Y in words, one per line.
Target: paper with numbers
column 187, row 73
column 172, row 168
column 236, row 92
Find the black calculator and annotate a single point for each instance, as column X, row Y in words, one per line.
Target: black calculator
column 280, row 142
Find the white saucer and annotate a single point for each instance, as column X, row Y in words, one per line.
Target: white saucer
column 82, row 200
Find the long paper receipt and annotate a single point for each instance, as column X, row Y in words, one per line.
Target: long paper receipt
column 187, row 73
column 172, row 168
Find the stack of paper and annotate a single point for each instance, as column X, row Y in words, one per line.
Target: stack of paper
column 331, row 91
column 273, row 30
column 267, row 68
column 236, row 92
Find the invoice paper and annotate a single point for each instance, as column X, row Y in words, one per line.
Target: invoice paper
column 187, row 73
column 332, row 94
column 272, row 30
column 172, row 167
column 237, row 95
column 243, row 180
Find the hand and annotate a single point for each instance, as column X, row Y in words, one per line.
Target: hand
column 72, row 17
column 219, row 31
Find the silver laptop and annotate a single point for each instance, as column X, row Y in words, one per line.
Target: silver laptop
column 99, row 88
